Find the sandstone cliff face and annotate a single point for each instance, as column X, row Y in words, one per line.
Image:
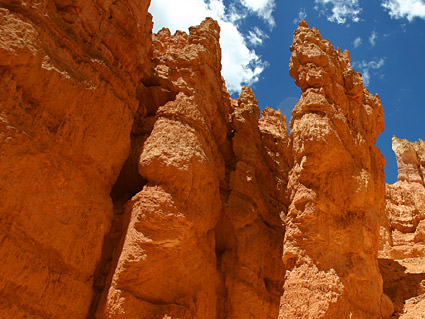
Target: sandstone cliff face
column 336, row 188
column 133, row 186
column 68, row 94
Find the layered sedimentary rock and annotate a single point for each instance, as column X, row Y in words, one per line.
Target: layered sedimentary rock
column 403, row 231
column 68, row 94
column 336, row 187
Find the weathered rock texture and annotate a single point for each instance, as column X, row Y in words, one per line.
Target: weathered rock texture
column 205, row 237
column 402, row 248
column 133, row 186
column 336, row 187
column 404, row 283
column 69, row 76
column 403, row 231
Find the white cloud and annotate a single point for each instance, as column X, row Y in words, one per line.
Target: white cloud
column 342, row 10
column 408, row 9
column 301, row 15
column 240, row 63
column 263, row 8
column 372, row 38
column 357, row 42
column 256, row 36
column 368, row 68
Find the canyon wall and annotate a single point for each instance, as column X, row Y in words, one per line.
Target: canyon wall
column 133, row 186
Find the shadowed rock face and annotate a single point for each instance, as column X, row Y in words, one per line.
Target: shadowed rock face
column 336, row 187
column 133, row 186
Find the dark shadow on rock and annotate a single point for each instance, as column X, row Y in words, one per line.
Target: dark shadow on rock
column 399, row 285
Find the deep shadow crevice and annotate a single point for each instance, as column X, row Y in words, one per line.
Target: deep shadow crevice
column 399, row 284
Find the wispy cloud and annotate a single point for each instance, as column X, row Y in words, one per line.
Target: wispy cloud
column 256, row 36
column 372, row 38
column 408, row 9
column 369, row 68
column 340, row 10
column 357, row 42
column 241, row 65
column 262, row 8
column 301, row 15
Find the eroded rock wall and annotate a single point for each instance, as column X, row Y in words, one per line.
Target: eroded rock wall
column 250, row 233
column 204, row 238
column 336, row 187
column 69, row 72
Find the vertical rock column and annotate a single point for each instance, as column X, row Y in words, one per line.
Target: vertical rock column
column 336, row 188
column 403, row 230
column 167, row 266
column 250, row 233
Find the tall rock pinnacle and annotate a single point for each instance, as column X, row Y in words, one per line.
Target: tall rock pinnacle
column 336, row 188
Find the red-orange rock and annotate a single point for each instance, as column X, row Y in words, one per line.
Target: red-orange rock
column 68, row 86
column 167, row 266
column 204, row 238
column 402, row 247
column 404, row 283
column 403, row 230
column 250, row 233
column 133, row 186
column 336, row 188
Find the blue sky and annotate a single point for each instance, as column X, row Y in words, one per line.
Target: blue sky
column 386, row 39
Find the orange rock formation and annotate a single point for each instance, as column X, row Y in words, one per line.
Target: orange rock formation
column 336, row 187
column 70, row 75
column 133, row 186
column 403, row 233
column 402, row 249
column 204, row 238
